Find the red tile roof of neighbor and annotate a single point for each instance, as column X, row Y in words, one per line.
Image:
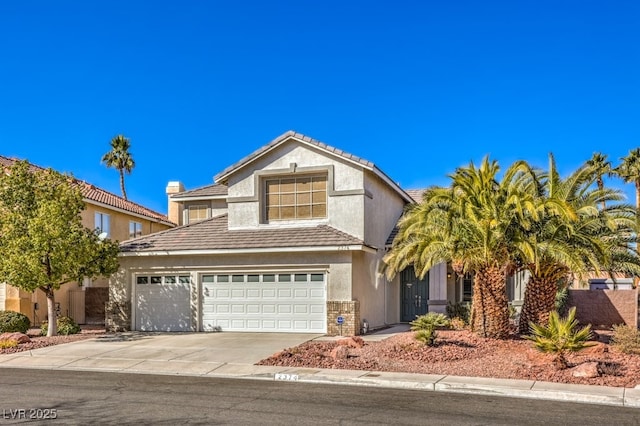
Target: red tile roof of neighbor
column 214, row 234
column 94, row 194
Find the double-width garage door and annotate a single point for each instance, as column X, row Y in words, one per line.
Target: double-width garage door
column 286, row 302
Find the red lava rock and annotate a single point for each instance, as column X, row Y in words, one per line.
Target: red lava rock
column 462, row 353
column 353, row 342
column 587, row 369
column 18, row 337
column 340, row 352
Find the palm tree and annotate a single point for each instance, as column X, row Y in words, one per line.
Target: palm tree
column 629, row 171
column 601, row 166
column 120, row 158
column 573, row 236
column 473, row 224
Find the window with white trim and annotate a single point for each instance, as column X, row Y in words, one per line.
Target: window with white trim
column 135, row 229
column 295, row 198
column 102, row 223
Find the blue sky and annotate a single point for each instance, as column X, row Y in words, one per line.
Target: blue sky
column 417, row 87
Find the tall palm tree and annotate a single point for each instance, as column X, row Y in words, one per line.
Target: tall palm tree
column 120, row 158
column 629, row 171
column 601, row 166
column 573, row 236
column 473, row 224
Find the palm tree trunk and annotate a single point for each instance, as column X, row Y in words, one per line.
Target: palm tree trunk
column 490, row 303
column 539, row 300
column 124, row 193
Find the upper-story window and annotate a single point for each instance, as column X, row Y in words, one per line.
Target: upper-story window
column 102, row 223
column 197, row 212
column 292, row 198
column 135, row 229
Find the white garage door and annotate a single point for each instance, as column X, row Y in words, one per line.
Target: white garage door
column 288, row 302
column 162, row 303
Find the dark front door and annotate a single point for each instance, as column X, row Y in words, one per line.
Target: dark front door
column 414, row 294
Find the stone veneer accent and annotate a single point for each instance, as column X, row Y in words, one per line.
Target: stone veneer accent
column 605, row 307
column 118, row 316
column 350, row 310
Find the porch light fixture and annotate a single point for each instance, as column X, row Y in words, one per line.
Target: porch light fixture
column 448, row 274
column 409, row 285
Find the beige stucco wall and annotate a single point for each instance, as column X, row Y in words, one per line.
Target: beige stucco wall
column 119, row 222
column 344, row 211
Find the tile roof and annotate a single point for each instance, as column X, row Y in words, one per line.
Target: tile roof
column 416, row 194
column 213, row 234
column 213, row 190
column 99, row 195
column 296, row 135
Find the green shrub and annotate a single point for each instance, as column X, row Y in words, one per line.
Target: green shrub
column 460, row 310
column 6, row 344
column 560, row 337
column 425, row 327
column 11, row 322
column 66, row 326
column 626, row 339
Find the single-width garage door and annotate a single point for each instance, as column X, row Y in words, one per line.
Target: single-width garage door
column 287, row 302
column 163, row 303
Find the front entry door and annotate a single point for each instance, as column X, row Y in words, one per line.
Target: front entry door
column 414, row 295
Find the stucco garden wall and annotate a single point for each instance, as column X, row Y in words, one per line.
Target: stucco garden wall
column 605, row 307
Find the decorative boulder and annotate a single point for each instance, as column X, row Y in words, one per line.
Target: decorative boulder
column 353, row 342
column 587, row 369
column 340, row 352
column 18, row 337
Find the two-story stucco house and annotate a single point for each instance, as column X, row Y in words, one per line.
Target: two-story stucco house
column 85, row 302
column 290, row 238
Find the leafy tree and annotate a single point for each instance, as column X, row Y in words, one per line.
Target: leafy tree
column 629, row 171
column 120, row 159
column 43, row 243
column 474, row 224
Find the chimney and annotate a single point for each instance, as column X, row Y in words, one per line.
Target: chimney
column 174, row 211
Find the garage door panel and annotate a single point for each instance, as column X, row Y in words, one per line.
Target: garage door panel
column 284, row 293
column 163, row 307
column 262, row 303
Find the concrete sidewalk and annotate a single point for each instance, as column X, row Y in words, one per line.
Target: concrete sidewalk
column 225, row 355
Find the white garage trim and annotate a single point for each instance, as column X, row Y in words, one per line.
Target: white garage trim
column 162, row 302
column 264, row 302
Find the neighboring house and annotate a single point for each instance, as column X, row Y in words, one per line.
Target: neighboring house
column 85, row 302
column 290, row 239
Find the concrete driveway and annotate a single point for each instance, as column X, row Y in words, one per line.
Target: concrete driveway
column 154, row 351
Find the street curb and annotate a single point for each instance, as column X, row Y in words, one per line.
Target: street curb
column 586, row 394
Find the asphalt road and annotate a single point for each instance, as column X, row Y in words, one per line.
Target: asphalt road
column 116, row 398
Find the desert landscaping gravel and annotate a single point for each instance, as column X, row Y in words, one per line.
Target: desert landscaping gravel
column 462, row 353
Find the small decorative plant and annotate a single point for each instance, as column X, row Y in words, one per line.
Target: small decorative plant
column 626, row 339
column 66, row 326
column 457, row 323
column 11, row 322
column 459, row 310
column 10, row 343
column 425, row 327
column 560, row 337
